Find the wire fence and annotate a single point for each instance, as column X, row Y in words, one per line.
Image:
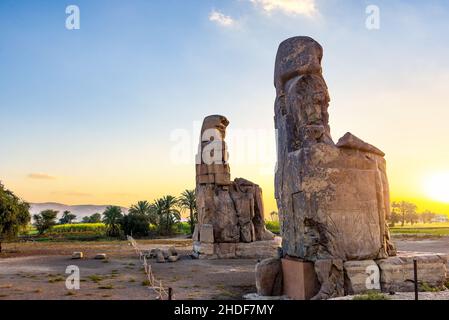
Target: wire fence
column 154, row 284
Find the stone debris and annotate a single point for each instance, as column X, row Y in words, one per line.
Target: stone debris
column 77, row 255
column 269, row 277
column 101, row 256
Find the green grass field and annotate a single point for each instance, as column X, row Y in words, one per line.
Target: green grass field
column 432, row 229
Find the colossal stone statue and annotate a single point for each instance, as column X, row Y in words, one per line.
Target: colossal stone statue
column 333, row 199
column 229, row 212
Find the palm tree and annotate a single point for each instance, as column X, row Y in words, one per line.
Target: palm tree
column 112, row 217
column 67, row 217
column 166, row 209
column 144, row 208
column 187, row 201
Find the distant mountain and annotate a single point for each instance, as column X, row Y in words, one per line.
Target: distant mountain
column 79, row 210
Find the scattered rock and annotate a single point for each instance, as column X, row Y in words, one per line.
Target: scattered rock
column 269, row 277
column 77, row 255
column 173, row 258
column 160, row 258
column 101, row 256
column 172, row 251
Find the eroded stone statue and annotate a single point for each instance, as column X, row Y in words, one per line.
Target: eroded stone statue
column 333, row 199
column 229, row 212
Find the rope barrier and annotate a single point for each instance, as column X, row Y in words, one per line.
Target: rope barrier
column 154, row 284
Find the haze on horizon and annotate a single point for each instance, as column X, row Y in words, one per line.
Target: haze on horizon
column 95, row 116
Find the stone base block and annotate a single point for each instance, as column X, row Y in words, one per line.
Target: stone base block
column 299, row 279
column 396, row 273
column 361, row 276
column 252, row 250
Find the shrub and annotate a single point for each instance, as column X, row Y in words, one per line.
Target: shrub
column 273, row 226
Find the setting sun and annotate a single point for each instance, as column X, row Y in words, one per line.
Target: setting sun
column 436, row 187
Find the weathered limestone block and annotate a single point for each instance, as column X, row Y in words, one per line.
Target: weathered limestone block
column 269, row 277
column 207, row 233
column 225, row 250
column 203, row 248
column 258, row 249
column 361, row 276
column 397, row 273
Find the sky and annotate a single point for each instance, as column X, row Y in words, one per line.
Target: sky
column 109, row 113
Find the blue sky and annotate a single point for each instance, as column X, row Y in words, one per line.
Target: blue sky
column 94, row 108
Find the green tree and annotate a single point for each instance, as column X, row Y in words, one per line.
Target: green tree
column 14, row 215
column 135, row 224
column 166, row 209
column 67, row 217
column 187, row 201
column 144, row 208
column 405, row 210
column 95, row 218
column 394, row 218
column 274, row 216
column 45, row 220
column 112, row 217
column 427, row 216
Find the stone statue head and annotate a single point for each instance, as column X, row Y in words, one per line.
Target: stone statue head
column 214, row 122
column 297, row 56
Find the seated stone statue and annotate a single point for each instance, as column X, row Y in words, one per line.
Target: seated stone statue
column 333, row 199
column 231, row 210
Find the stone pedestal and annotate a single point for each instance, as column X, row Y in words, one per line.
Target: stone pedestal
column 299, row 279
column 396, row 273
column 252, row 250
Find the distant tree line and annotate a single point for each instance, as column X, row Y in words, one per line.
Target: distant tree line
column 163, row 213
column 406, row 212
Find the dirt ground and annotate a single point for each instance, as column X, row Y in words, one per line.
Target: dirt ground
column 37, row 271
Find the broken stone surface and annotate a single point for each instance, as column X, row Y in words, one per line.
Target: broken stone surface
column 333, row 198
column 397, row 273
column 361, row 276
column 77, row 255
column 269, row 277
column 330, row 275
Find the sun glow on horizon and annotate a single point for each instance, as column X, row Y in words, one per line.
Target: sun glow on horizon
column 436, row 186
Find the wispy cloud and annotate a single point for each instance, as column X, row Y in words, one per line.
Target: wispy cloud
column 40, row 176
column 290, row 7
column 221, row 19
